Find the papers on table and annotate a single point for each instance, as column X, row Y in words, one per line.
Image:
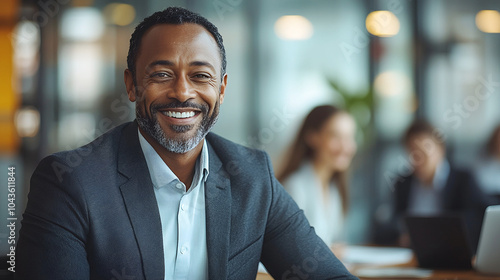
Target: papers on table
column 394, row 272
column 376, row 255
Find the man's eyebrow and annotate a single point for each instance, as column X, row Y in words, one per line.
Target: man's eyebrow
column 202, row 63
column 170, row 63
column 161, row 62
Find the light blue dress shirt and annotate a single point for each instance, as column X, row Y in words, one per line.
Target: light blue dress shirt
column 427, row 200
column 182, row 215
column 487, row 172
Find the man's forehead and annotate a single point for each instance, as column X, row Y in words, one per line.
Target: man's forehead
column 422, row 140
column 174, row 33
column 185, row 38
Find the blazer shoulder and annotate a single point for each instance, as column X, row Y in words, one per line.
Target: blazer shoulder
column 95, row 155
column 462, row 177
column 105, row 141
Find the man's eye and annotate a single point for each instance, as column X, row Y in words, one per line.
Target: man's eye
column 160, row 75
column 201, row 76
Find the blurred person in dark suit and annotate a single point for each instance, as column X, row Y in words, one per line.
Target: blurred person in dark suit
column 161, row 197
column 316, row 166
column 487, row 169
column 436, row 187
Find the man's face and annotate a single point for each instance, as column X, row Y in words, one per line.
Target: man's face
column 179, row 87
column 425, row 154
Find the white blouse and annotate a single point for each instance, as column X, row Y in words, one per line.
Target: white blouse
column 324, row 215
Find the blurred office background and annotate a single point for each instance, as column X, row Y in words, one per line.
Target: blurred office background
column 387, row 61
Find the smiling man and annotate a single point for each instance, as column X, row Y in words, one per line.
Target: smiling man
column 161, row 197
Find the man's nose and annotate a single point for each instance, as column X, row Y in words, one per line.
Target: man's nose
column 181, row 90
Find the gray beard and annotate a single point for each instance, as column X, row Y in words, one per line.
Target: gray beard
column 182, row 144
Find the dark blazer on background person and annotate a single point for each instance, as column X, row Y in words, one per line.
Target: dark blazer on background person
column 92, row 214
column 460, row 195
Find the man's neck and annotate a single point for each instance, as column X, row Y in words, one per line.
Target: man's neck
column 182, row 165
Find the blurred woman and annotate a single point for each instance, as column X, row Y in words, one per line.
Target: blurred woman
column 316, row 167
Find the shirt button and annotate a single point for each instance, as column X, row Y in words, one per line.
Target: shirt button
column 184, row 250
column 183, row 207
column 178, row 185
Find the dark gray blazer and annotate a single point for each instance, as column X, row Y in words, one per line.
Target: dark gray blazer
column 92, row 214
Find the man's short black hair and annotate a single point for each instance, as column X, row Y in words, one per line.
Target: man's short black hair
column 423, row 127
column 172, row 15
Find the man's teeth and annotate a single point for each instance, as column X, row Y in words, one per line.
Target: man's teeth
column 179, row 115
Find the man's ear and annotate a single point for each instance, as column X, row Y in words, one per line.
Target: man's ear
column 129, row 84
column 223, row 89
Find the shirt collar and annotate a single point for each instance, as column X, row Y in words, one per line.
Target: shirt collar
column 441, row 175
column 160, row 173
column 204, row 161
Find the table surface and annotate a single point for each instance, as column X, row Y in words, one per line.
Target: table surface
column 436, row 275
column 439, row 274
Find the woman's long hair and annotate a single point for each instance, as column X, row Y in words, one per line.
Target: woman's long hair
column 300, row 151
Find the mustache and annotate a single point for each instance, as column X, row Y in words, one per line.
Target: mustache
column 177, row 104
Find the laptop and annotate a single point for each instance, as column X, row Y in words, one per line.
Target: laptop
column 488, row 252
column 439, row 242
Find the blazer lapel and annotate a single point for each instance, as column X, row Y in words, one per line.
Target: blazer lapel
column 405, row 191
column 448, row 192
column 140, row 202
column 218, row 217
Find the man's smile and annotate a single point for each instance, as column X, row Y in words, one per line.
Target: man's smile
column 180, row 116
